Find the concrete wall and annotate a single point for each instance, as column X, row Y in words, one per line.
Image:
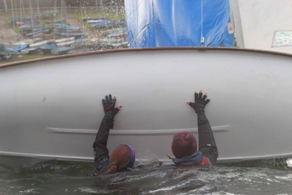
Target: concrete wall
column 259, row 21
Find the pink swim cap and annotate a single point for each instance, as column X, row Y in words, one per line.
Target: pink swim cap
column 183, row 144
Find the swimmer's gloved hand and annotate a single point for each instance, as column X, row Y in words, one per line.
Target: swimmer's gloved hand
column 101, row 158
column 110, row 111
column 200, row 102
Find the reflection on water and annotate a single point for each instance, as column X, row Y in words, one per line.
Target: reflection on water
column 266, row 177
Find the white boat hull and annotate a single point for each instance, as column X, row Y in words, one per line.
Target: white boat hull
column 51, row 109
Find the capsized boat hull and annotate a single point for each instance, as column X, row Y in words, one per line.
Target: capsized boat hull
column 51, row 109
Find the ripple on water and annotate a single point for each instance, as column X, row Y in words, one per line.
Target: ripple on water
column 72, row 178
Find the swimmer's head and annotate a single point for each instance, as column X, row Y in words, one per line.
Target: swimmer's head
column 183, row 144
column 121, row 158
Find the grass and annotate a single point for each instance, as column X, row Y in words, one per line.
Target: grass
column 25, row 57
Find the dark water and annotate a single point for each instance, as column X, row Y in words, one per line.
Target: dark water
column 52, row 177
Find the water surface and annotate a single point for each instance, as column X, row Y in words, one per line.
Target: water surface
column 53, row 177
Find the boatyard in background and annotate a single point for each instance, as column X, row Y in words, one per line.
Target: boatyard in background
column 34, row 28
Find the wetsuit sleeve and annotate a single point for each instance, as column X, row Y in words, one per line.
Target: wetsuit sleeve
column 101, row 157
column 207, row 144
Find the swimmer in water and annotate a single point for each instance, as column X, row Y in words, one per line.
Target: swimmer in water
column 123, row 156
column 184, row 144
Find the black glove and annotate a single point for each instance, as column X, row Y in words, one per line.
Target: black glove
column 200, row 102
column 109, row 107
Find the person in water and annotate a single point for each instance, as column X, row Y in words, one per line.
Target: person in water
column 123, row 156
column 184, row 144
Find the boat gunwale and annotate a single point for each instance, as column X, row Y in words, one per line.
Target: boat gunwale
column 70, row 158
column 143, row 49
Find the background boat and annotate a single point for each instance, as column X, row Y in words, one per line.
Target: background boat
column 64, row 27
column 17, row 48
column 30, row 51
column 64, row 39
column 46, row 49
column 60, row 49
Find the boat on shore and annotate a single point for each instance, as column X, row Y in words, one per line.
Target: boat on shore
column 93, row 18
column 7, row 53
column 64, row 27
column 40, row 43
column 65, row 43
column 46, row 49
column 68, row 34
column 109, row 31
column 28, row 51
column 54, row 111
column 38, row 32
column 65, row 39
column 17, row 48
column 113, row 42
column 60, row 50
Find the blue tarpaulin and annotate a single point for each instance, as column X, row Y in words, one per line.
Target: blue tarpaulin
column 164, row 23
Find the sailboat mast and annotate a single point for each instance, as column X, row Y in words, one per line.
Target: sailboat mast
column 65, row 10
column 20, row 11
column 38, row 10
column 31, row 17
column 18, row 15
column 21, row 15
column 61, row 9
column 5, row 5
column 81, row 17
column 12, row 9
column 96, row 8
column 23, row 9
column 82, row 22
column 16, row 11
column 55, row 6
column 111, row 8
column 101, row 4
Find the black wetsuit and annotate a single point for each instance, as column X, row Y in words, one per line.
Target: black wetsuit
column 207, row 144
column 101, row 157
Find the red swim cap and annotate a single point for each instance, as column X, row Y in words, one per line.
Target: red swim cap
column 183, row 144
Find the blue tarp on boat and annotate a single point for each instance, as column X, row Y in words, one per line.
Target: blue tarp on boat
column 29, row 51
column 38, row 32
column 48, row 47
column 163, row 23
column 17, row 48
